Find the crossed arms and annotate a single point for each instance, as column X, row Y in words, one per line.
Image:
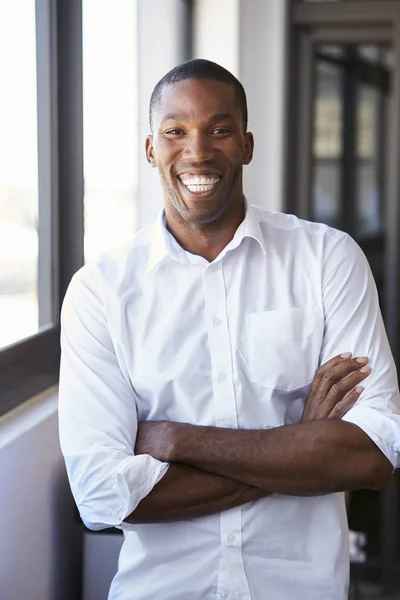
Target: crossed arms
column 214, row 469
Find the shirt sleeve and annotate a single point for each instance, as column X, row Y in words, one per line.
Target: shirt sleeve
column 97, row 414
column 353, row 323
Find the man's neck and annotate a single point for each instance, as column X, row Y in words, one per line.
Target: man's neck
column 206, row 239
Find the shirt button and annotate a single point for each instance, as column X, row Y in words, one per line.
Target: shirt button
column 231, row 539
column 221, row 377
column 217, row 321
column 222, row 595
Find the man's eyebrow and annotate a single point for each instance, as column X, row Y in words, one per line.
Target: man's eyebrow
column 175, row 117
column 221, row 117
column 183, row 116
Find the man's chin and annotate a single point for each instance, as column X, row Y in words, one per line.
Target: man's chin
column 201, row 216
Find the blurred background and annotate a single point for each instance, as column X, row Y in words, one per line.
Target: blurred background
column 323, row 84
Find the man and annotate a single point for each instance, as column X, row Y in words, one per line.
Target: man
column 210, row 403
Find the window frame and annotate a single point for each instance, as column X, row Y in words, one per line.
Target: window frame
column 31, row 365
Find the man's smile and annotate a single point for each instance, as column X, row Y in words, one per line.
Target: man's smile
column 199, row 185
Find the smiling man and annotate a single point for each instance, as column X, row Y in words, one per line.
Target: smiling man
column 202, row 180
column 210, row 398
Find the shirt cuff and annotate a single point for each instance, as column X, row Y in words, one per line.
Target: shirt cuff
column 382, row 427
column 131, row 488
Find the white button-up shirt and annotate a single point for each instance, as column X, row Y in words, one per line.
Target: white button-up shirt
column 153, row 332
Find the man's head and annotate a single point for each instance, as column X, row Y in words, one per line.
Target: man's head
column 199, row 69
column 199, row 143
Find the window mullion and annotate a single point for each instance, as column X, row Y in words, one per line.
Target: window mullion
column 47, row 162
column 70, row 140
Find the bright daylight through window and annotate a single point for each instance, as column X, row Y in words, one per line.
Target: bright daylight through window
column 110, row 124
column 19, row 314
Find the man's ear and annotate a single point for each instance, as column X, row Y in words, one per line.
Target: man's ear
column 150, row 151
column 249, row 147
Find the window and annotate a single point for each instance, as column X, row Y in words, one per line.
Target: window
column 35, row 252
column 19, row 310
column 68, row 150
column 327, row 143
column 110, row 124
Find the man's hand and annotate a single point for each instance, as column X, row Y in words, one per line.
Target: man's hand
column 335, row 388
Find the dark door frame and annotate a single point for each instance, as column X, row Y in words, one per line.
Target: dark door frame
column 352, row 22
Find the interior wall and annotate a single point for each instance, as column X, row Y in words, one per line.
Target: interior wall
column 216, row 32
column 160, row 46
column 262, row 62
column 40, row 539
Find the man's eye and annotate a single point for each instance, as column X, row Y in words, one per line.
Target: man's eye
column 221, row 131
column 174, row 132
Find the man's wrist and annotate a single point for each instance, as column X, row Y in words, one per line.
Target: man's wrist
column 178, row 433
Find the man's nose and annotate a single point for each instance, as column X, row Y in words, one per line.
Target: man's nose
column 199, row 147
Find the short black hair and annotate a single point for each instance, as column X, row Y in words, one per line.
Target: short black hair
column 199, row 68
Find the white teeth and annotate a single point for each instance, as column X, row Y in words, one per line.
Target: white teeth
column 199, row 183
column 200, row 188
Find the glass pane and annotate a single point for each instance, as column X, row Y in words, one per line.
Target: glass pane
column 388, row 59
column 110, row 123
column 371, row 54
column 352, row 83
column 18, row 173
column 327, row 147
column 331, row 51
column 369, row 132
column 327, row 191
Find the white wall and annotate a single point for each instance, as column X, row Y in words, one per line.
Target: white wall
column 39, row 536
column 216, row 32
column 262, row 38
column 160, row 48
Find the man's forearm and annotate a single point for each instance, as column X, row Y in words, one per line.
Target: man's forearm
column 315, row 457
column 186, row 492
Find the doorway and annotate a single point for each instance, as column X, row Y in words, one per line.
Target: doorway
column 343, row 146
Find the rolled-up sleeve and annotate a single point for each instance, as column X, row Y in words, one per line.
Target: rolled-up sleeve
column 353, row 322
column 97, row 414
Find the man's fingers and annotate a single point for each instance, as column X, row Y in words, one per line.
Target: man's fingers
column 342, row 407
column 335, row 387
column 330, row 364
column 333, row 376
column 333, row 362
column 338, row 390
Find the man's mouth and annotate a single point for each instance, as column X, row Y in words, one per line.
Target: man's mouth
column 198, row 184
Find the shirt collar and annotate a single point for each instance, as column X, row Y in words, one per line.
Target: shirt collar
column 160, row 237
column 158, row 243
column 251, row 226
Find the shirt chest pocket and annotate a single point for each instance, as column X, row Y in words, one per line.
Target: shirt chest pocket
column 283, row 347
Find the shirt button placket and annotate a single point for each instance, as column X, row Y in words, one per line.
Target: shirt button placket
column 225, row 416
column 220, row 346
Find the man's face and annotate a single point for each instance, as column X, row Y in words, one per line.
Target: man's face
column 199, row 148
